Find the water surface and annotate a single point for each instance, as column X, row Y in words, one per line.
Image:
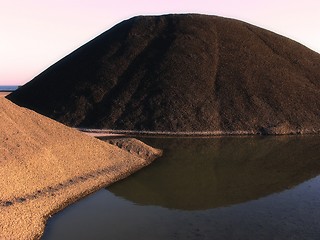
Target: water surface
column 8, row 88
column 215, row 188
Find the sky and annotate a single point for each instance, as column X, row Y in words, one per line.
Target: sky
column 34, row 34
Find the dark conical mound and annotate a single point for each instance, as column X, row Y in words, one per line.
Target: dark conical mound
column 183, row 73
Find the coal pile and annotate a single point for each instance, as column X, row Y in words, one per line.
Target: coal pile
column 183, row 73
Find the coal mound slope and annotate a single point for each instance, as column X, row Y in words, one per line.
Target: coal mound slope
column 182, row 73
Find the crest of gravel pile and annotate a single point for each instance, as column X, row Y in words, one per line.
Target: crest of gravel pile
column 183, row 73
column 45, row 166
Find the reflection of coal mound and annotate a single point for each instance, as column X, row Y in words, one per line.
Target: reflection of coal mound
column 208, row 173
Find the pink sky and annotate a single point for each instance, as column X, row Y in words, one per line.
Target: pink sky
column 34, row 34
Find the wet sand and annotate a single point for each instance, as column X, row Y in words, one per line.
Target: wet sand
column 45, row 166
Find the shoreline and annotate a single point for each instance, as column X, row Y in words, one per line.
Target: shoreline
column 54, row 203
column 100, row 133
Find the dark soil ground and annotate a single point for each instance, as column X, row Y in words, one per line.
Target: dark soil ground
column 183, row 73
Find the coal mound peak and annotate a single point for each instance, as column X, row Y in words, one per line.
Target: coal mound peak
column 183, row 73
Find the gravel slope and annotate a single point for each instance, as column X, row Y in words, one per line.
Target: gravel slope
column 45, row 166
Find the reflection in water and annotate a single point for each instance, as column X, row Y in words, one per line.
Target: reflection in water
column 206, row 173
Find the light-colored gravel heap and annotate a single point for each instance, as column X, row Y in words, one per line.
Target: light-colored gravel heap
column 44, row 166
column 3, row 94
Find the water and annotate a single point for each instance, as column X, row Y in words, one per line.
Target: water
column 220, row 188
column 8, row 88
